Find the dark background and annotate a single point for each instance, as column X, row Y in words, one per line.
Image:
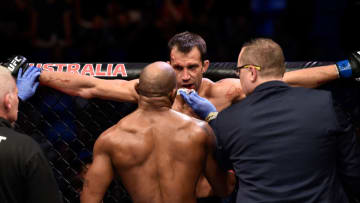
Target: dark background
column 138, row 30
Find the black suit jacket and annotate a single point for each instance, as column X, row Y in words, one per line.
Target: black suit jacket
column 25, row 174
column 289, row 144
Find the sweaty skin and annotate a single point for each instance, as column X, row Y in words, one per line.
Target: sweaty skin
column 158, row 153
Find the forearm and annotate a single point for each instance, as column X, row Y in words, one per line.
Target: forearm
column 89, row 87
column 69, row 83
column 92, row 193
column 311, row 77
column 225, row 184
column 230, row 182
column 203, row 188
column 86, row 197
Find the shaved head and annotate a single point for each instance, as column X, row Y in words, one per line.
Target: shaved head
column 8, row 96
column 7, row 81
column 156, row 79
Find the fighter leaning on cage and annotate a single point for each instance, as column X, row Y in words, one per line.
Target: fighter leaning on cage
column 158, row 153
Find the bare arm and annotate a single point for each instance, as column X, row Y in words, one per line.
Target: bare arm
column 99, row 175
column 225, row 92
column 90, row 87
column 311, row 77
column 222, row 182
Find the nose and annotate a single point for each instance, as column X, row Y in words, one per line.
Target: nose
column 185, row 74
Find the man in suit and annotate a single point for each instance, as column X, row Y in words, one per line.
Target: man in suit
column 25, row 173
column 286, row 144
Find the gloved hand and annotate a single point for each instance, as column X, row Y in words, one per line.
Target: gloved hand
column 201, row 106
column 27, row 83
column 350, row 68
column 14, row 63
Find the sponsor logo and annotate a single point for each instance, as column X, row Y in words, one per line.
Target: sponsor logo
column 98, row 70
column 14, row 63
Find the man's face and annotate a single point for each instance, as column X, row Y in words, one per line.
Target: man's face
column 188, row 67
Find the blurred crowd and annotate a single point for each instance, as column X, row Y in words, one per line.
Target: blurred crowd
column 138, row 30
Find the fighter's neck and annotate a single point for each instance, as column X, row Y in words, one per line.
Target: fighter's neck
column 154, row 103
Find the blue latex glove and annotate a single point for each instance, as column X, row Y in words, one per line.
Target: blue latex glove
column 27, row 83
column 201, row 106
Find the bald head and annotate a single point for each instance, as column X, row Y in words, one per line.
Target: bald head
column 7, row 82
column 8, row 96
column 157, row 79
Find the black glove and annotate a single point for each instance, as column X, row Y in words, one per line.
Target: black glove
column 350, row 68
column 14, row 63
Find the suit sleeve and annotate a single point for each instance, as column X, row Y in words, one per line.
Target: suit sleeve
column 348, row 154
column 41, row 183
column 221, row 153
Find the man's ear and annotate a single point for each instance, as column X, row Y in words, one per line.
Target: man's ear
column 7, row 101
column 254, row 74
column 206, row 64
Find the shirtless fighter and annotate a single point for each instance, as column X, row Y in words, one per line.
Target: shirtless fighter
column 158, row 153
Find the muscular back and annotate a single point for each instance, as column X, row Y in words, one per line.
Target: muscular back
column 159, row 156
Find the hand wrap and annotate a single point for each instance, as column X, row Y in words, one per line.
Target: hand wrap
column 350, row 68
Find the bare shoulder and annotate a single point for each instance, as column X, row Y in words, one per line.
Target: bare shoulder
column 201, row 129
column 228, row 83
column 105, row 140
column 205, row 127
column 190, row 124
column 205, row 134
column 222, row 93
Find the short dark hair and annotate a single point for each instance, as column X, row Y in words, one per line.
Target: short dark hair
column 185, row 41
column 265, row 53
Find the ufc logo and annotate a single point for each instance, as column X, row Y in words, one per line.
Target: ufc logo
column 14, row 63
column 2, row 138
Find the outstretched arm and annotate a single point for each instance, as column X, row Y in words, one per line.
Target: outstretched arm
column 90, row 87
column 99, row 175
column 311, row 77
